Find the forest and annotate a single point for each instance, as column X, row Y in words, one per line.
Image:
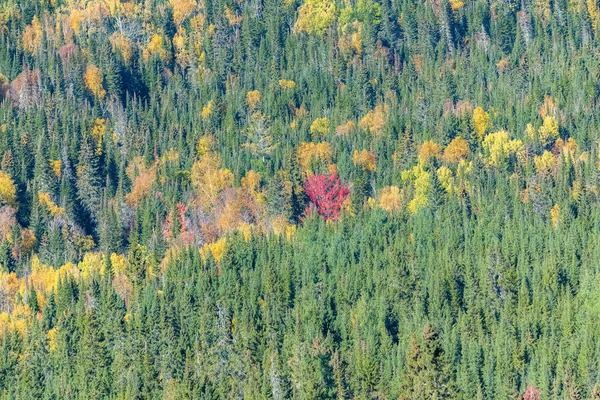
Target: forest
column 304, row 199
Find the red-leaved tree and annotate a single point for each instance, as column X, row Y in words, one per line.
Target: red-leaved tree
column 532, row 393
column 327, row 193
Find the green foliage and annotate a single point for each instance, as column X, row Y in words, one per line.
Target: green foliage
column 156, row 239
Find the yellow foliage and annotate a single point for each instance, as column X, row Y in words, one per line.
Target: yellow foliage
column 97, row 133
column 43, row 278
column 542, row 8
column 4, row 323
column 576, row 191
column 281, row 226
column 232, row 18
column 287, row 84
column 124, row 288
column 207, row 110
column 375, row 119
column 33, row 35
column 544, row 164
column 365, row 159
column 548, row 108
column 554, row 215
column 390, row 198
column 182, row 55
column 456, row 150
column 182, row 9
column 567, row 149
column 251, row 182
column 205, row 144
column 421, row 179
column 118, row 263
column 122, row 43
column 75, row 18
column 169, row 156
column 52, row 340
column 350, row 41
column 345, row 129
column 320, row 127
column 28, row 240
column 93, row 81
column 45, row 201
column 446, row 179
column 548, row 130
column 156, row 46
column 456, row 5
column 499, row 147
column 209, row 180
column 481, row 122
column 253, row 98
column 429, row 150
column 68, row 269
column 19, row 319
column 56, row 166
column 84, row 242
column 9, row 286
column 246, row 230
column 217, row 249
column 531, row 132
column 8, row 190
column 91, row 265
column 502, row 65
column 142, row 179
column 463, row 173
column 593, row 13
column 315, row 16
column 310, row 153
column 356, row 42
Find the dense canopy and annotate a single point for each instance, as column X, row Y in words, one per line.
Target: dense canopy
column 370, row 199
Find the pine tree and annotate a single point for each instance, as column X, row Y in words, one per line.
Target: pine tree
column 88, row 182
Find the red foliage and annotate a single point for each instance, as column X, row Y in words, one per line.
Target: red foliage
column 327, row 193
column 26, row 89
column 183, row 222
column 532, row 393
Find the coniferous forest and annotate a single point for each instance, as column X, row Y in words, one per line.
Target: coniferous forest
column 307, row 199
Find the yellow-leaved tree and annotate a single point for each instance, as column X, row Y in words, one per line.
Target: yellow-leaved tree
column 548, row 131
column 481, row 122
column 555, row 215
column 142, row 179
column 93, row 81
column 45, row 201
column 390, row 198
column 375, row 119
column 209, row 179
column 32, row 38
column 253, row 98
column 182, row 9
column 498, row 147
column 314, row 156
column 365, row 159
column 544, row 164
column 320, row 127
column 122, row 43
column 428, row 150
column 421, row 180
column 8, row 190
column 315, row 16
column 456, row 150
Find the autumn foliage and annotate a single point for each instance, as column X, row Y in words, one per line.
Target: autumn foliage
column 327, row 193
column 8, row 190
column 93, row 81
